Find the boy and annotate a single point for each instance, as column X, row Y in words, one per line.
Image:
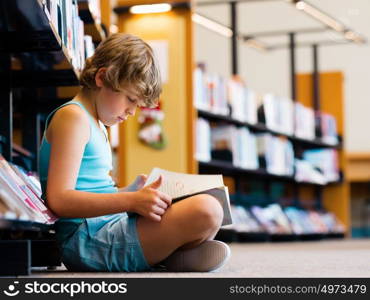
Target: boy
column 102, row 228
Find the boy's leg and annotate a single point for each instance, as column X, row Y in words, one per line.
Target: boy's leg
column 185, row 224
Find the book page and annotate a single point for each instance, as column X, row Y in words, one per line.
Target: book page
column 181, row 184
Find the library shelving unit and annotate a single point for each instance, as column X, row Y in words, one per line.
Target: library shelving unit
column 29, row 91
column 322, row 91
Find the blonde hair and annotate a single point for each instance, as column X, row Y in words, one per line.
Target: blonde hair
column 130, row 63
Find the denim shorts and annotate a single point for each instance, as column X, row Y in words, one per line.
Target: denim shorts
column 107, row 243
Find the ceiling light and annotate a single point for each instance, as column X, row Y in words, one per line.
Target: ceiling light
column 253, row 43
column 319, row 15
column 150, row 8
column 350, row 35
column 212, row 25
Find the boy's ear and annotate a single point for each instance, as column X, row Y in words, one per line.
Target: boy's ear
column 99, row 77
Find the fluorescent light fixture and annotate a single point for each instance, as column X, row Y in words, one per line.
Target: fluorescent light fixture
column 253, row 43
column 212, row 25
column 319, row 15
column 150, row 8
column 353, row 36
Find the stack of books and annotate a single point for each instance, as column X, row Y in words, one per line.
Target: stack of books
column 210, row 92
column 203, row 140
column 304, row 122
column 307, row 172
column 65, row 19
column 279, row 114
column 329, row 133
column 273, row 219
column 326, row 161
column 243, row 221
column 276, row 154
column 312, row 222
column 224, row 96
column 20, row 195
column 243, row 101
column 240, row 142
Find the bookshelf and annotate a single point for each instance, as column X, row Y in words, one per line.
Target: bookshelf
column 180, row 118
column 261, row 127
column 31, row 88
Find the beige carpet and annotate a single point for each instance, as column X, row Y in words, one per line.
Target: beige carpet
column 331, row 258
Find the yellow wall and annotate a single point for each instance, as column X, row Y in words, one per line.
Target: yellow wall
column 134, row 157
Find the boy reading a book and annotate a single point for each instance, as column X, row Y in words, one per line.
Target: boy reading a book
column 101, row 227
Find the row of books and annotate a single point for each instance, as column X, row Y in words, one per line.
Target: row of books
column 64, row 17
column 20, row 195
column 248, row 150
column 275, row 219
column 294, row 119
column 223, row 96
column 231, row 97
column 318, row 165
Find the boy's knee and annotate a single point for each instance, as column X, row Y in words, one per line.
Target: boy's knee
column 208, row 211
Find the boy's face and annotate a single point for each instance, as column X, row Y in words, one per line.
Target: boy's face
column 114, row 107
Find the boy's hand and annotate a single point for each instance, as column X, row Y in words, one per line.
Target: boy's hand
column 151, row 203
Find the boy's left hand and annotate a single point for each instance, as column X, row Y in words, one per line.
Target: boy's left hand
column 137, row 184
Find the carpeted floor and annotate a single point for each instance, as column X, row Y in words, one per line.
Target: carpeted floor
column 331, row 258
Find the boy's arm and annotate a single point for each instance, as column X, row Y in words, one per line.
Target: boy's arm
column 79, row 204
column 68, row 133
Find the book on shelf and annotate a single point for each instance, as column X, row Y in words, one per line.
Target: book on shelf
column 329, row 133
column 244, row 221
column 272, row 218
column 243, row 101
column 218, row 94
column 210, row 92
column 203, row 140
column 279, row 114
column 64, row 15
column 325, row 160
column 21, row 194
column 275, row 219
column 276, row 153
column 251, row 106
column 311, row 221
column 304, row 122
column 94, row 7
column 307, row 172
column 181, row 185
column 241, row 143
column 88, row 46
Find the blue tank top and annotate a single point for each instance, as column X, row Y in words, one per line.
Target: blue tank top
column 93, row 175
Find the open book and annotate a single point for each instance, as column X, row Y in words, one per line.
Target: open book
column 180, row 186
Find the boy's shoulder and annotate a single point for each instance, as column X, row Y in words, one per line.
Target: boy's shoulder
column 71, row 112
column 69, row 117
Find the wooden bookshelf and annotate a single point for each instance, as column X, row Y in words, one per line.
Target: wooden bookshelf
column 262, row 128
column 180, row 115
column 25, row 243
column 358, row 166
column 93, row 26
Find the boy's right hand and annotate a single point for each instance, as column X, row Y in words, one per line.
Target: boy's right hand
column 151, row 203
